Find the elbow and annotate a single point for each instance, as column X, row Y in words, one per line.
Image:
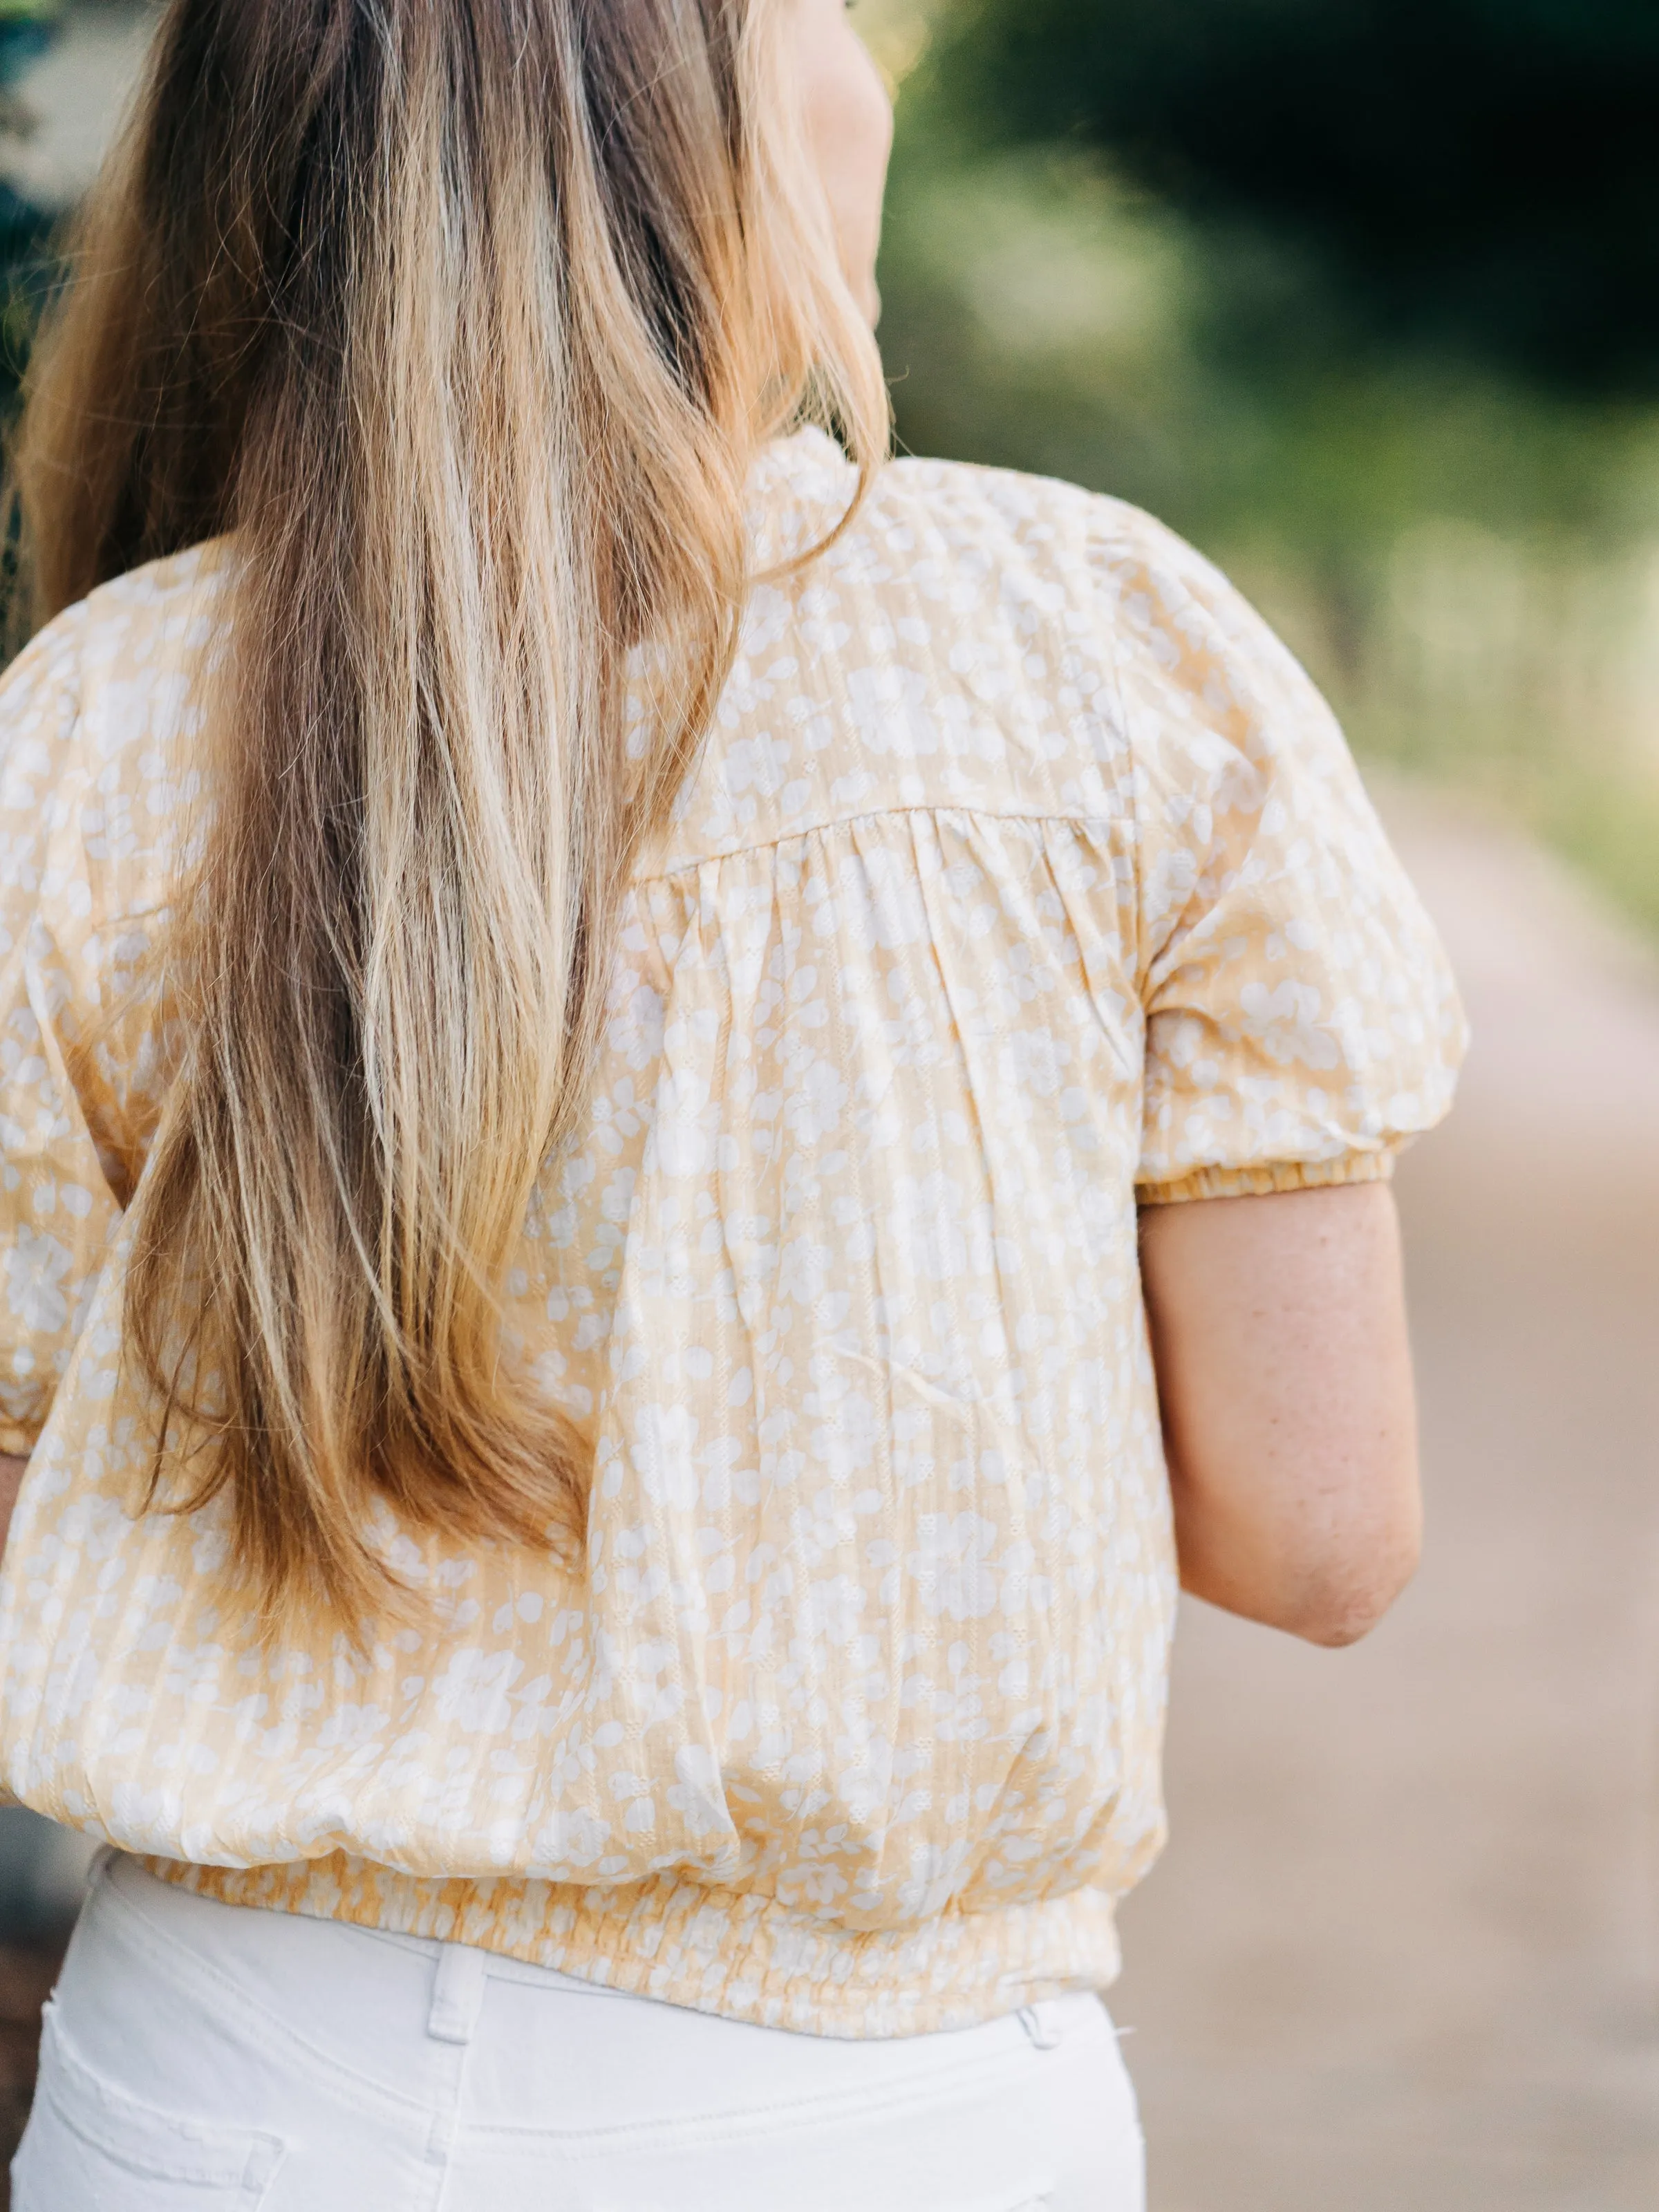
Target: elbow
column 1341, row 1600
column 1324, row 1564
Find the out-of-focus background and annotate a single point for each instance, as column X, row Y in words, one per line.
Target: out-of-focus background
column 1361, row 295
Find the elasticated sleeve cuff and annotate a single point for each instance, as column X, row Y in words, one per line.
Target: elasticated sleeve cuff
column 1263, row 1181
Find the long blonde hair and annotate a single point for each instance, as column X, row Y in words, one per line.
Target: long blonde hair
column 467, row 320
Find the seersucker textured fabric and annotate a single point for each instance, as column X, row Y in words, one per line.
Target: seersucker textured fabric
column 1024, row 880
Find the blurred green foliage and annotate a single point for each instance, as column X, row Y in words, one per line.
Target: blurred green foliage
column 1041, row 313
column 1481, row 173
column 1466, row 552
column 26, row 27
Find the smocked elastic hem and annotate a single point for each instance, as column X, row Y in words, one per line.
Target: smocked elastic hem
column 1263, row 1181
column 735, row 1955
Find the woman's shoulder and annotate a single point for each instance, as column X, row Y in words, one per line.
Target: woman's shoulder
column 970, row 563
column 1141, row 578
column 96, row 714
column 140, row 624
column 969, row 507
column 1199, row 672
column 1004, row 539
column 1038, row 511
column 954, row 646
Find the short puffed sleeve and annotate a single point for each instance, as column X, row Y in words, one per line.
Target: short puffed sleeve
column 57, row 1210
column 1302, row 1021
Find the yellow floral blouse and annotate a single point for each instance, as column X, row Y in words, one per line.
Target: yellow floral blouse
column 1024, row 877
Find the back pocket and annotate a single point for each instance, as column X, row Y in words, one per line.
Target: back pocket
column 91, row 2147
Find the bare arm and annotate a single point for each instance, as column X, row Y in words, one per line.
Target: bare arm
column 1279, row 1333
column 11, row 1476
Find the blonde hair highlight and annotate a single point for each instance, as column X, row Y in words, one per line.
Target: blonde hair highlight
column 467, row 320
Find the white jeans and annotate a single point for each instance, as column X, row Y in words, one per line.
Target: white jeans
column 205, row 2057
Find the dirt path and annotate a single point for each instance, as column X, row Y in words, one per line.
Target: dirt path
column 1403, row 1952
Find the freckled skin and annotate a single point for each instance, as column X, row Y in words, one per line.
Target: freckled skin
column 1284, row 1381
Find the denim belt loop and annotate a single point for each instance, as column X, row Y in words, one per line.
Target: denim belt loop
column 457, row 1992
column 1041, row 2023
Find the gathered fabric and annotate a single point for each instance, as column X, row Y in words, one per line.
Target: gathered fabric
column 1024, row 880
